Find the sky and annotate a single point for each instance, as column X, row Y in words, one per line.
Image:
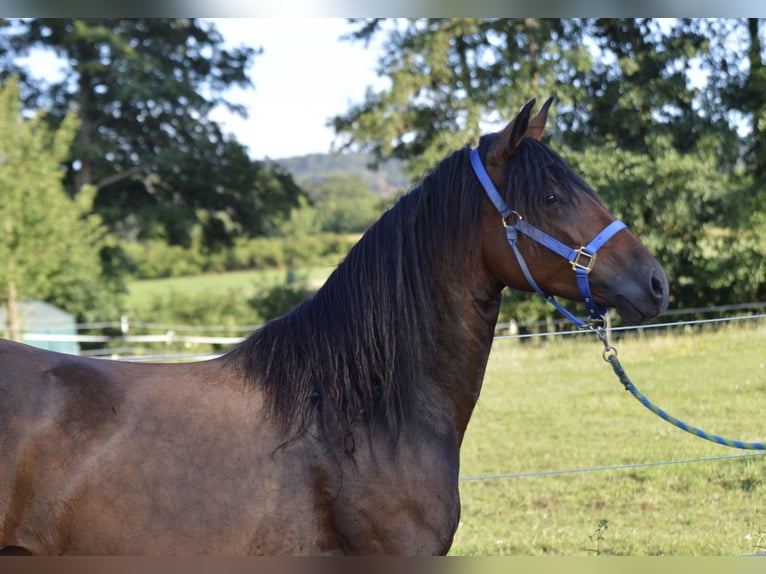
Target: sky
column 304, row 76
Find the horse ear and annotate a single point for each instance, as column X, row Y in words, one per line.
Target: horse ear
column 537, row 124
column 508, row 140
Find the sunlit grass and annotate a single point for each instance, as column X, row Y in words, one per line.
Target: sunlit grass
column 557, row 406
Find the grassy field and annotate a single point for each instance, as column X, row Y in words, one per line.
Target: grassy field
column 557, row 406
column 245, row 283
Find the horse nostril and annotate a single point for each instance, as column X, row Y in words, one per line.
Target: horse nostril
column 658, row 285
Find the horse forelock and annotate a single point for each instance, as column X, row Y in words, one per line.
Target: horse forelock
column 363, row 347
column 533, row 172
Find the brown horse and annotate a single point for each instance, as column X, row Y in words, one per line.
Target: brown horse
column 333, row 429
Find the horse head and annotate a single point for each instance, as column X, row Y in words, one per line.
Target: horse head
column 553, row 234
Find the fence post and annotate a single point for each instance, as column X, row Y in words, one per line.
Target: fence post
column 124, row 328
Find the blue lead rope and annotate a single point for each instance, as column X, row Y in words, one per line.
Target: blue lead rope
column 610, row 356
column 582, row 260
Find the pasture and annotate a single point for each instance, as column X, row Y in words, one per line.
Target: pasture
column 245, row 283
column 555, row 405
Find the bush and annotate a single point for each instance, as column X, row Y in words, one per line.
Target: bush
column 225, row 308
column 155, row 259
column 279, row 300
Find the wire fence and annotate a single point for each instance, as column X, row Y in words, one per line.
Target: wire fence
column 612, row 467
column 120, row 340
column 137, row 340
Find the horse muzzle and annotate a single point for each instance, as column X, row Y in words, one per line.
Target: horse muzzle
column 642, row 297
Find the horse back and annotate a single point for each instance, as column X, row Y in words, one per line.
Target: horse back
column 122, row 458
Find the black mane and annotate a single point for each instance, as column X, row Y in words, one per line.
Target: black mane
column 534, row 172
column 363, row 346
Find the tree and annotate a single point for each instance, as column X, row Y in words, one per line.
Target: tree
column 144, row 89
column 650, row 112
column 50, row 244
column 452, row 76
column 676, row 204
column 638, row 86
column 344, row 204
column 736, row 82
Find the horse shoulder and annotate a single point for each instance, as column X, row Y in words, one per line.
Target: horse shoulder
column 402, row 501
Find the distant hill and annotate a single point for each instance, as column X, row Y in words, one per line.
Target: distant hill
column 387, row 181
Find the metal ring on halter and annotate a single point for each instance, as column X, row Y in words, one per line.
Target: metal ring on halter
column 507, row 218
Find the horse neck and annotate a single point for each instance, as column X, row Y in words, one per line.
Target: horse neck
column 468, row 311
column 430, row 246
column 401, row 331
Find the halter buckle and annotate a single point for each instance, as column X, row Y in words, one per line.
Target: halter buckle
column 583, row 260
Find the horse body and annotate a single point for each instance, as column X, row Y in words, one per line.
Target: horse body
column 335, row 429
column 107, row 457
column 114, row 458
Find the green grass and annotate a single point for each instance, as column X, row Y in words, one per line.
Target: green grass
column 245, row 283
column 557, row 405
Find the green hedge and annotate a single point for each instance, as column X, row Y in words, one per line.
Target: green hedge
column 156, row 259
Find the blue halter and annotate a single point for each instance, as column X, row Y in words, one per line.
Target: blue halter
column 581, row 259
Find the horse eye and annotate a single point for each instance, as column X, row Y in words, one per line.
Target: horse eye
column 551, row 199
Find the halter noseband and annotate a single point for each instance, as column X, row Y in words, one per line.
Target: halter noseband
column 581, row 259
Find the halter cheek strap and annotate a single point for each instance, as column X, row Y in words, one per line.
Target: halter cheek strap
column 581, row 259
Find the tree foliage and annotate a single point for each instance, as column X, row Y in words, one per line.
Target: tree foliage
column 451, row 76
column 50, row 244
column 144, row 89
column 664, row 118
column 344, row 204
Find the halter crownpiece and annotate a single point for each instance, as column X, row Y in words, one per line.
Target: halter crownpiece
column 581, row 260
